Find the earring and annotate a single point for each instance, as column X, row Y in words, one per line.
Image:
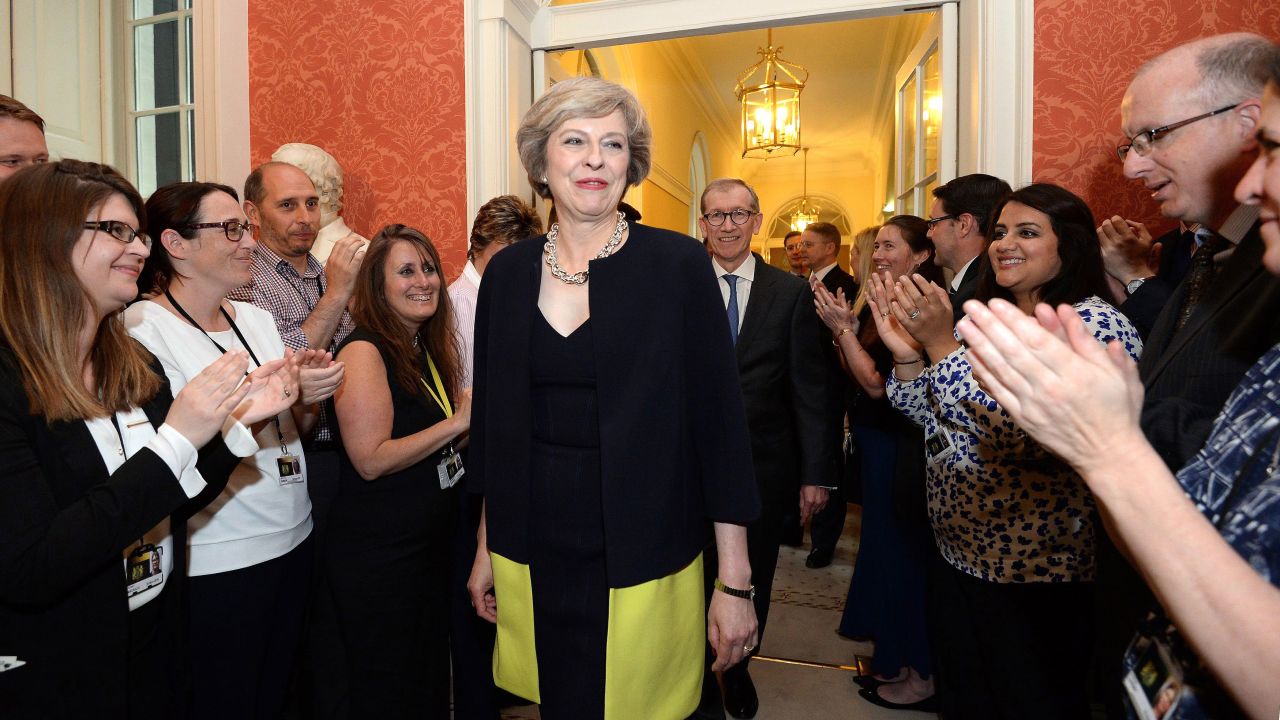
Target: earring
column 544, row 179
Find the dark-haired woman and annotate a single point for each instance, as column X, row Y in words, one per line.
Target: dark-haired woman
column 100, row 460
column 1012, row 586
column 887, row 590
column 249, row 559
column 401, row 415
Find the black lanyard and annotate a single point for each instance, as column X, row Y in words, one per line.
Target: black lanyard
column 181, row 311
column 305, row 300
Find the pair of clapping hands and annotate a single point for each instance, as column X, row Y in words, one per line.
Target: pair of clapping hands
column 910, row 313
column 223, row 389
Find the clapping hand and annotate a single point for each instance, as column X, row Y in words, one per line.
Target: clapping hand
column 273, row 387
column 319, row 375
column 1075, row 396
column 894, row 336
column 834, row 309
column 204, row 403
column 924, row 310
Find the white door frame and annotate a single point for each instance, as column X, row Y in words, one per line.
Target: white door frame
column 995, row 111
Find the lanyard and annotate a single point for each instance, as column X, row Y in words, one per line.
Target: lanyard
column 305, row 300
column 181, row 311
column 442, row 398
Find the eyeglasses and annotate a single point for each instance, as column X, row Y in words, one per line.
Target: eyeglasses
column 934, row 221
column 740, row 217
column 119, row 230
column 233, row 229
column 1142, row 142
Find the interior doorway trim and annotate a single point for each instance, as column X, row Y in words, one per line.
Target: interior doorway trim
column 994, row 117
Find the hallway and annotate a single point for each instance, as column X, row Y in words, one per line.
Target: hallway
column 804, row 670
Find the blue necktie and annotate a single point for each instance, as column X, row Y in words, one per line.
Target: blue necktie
column 733, row 306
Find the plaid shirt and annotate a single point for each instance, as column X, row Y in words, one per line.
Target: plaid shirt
column 289, row 297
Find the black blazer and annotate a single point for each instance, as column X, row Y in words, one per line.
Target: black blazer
column 63, row 526
column 674, row 448
column 1189, row 375
column 786, row 388
column 968, row 286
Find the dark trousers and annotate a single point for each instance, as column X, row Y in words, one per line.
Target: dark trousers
column 764, row 536
column 245, row 628
column 320, row 679
column 1009, row 651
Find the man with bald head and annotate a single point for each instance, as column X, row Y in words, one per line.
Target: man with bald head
column 1191, row 116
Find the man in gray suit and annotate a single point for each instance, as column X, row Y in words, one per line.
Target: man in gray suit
column 786, row 393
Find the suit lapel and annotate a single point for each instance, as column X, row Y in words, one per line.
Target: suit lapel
column 1241, row 270
column 763, row 292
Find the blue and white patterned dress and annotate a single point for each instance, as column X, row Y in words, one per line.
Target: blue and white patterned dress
column 1003, row 508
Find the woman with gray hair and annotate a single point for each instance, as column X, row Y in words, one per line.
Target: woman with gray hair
column 608, row 435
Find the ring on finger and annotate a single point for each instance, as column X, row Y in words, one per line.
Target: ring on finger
column 913, row 314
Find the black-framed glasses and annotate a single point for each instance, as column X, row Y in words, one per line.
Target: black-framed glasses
column 119, row 230
column 931, row 222
column 740, row 216
column 233, row 229
column 1142, row 142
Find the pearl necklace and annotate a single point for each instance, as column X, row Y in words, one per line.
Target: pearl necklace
column 580, row 278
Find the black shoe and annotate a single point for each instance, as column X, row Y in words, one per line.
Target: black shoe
column 869, row 682
column 929, row 704
column 818, row 558
column 740, row 699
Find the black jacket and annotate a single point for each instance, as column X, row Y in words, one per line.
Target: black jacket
column 674, row 448
column 64, row 524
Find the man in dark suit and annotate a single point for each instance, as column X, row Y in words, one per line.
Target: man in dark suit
column 958, row 223
column 1144, row 272
column 822, row 247
column 1191, row 116
column 784, row 386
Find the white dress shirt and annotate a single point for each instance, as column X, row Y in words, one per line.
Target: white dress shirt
column 959, row 276
column 746, row 274
column 821, row 273
column 463, row 293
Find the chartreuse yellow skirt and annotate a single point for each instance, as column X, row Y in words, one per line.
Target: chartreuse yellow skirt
column 654, row 647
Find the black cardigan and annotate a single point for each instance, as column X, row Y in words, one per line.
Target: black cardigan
column 63, row 525
column 674, row 449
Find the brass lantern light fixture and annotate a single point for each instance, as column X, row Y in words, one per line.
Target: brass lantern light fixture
column 805, row 214
column 769, row 93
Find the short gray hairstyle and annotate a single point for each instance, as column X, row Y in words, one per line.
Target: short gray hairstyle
column 726, row 185
column 1233, row 67
column 581, row 97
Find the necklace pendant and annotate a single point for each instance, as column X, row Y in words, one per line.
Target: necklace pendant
column 581, row 277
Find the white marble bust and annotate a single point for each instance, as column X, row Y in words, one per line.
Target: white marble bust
column 326, row 174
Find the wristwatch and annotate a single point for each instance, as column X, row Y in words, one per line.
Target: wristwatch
column 1132, row 286
column 748, row 594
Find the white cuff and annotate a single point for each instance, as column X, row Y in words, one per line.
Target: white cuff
column 180, row 455
column 238, row 438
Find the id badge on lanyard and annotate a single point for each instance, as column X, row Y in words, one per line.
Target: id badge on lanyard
column 1155, row 684
column 450, row 469
column 143, row 570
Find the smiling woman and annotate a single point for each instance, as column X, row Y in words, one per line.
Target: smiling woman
column 402, row 416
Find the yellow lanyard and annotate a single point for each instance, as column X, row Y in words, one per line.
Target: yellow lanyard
column 439, row 395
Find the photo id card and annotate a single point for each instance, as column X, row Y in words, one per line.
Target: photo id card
column 290, row 469
column 143, row 569
column 450, row 469
column 938, row 445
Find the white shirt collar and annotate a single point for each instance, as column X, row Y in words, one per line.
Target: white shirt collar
column 469, row 272
column 821, row 273
column 745, row 271
column 955, row 281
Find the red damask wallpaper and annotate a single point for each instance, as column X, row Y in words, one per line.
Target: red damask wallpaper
column 1085, row 54
column 380, row 85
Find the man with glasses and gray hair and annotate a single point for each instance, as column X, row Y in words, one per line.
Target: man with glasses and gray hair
column 1190, row 116
column 785, row 390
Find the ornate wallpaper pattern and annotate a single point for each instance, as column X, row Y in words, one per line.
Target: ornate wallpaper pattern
column 1086, row 51
column 380, row 85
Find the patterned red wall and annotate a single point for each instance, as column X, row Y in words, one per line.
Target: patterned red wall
column 1086, row 51
column 380, row 85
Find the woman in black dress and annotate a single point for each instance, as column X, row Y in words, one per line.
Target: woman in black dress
column 613, row 437
column 400, row 415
